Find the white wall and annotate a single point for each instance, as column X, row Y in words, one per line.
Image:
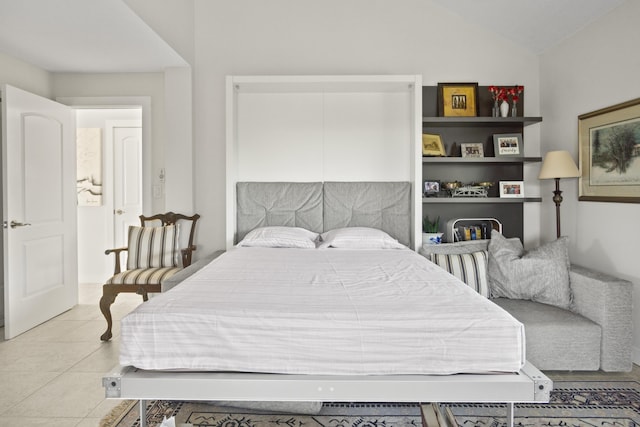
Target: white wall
column 69, row 85
column 95, row 234
column 24, row 76
column 301, row 37
column 596, row 68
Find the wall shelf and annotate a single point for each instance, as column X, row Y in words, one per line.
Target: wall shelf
column 478, row 200
column 479, row 121
column 489, row 160
column 455, row 131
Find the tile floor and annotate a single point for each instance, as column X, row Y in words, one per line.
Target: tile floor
column 51, row 375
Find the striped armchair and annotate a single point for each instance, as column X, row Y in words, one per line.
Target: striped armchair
column 158, row 249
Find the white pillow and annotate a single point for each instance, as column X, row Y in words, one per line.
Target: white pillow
column 280, row 237
column 359, row 238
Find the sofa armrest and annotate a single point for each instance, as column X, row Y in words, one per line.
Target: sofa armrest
column 188, row 271
column 606, row 300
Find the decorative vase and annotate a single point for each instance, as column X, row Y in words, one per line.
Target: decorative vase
column 514, row 110
column 504, row 109
column 496, row 109
column 431, row 238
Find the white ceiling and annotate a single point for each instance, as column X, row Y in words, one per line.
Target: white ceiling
column 92, row 36
column 107, row 36
column 534, row 24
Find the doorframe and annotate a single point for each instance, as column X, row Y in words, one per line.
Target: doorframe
column 115, row 102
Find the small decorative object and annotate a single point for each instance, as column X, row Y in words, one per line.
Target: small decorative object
column 500, row 97
column 458, row 99
column 504, row 109
column 507, row 144
column 432, row 145
column 470, row 191
column 609, row 142
column 472, row 149
column 512, row 189
column 431, row 188
column 430, row 233
column 451, row 186
column 515, row 96
column 495, row 95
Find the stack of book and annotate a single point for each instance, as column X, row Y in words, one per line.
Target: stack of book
column 464, row 229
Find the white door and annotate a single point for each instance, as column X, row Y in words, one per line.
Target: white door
column 39, row 209
column 127, row 177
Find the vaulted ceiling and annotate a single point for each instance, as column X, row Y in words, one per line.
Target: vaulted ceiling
column 107, row 36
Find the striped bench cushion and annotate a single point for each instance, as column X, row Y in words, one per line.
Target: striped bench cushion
column 151, row 247
column 143, row 276
column 471, row 268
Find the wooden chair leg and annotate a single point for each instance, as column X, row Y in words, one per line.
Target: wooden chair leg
column 108, row 297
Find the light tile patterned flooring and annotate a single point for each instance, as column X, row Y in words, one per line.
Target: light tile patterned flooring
column 51, row 375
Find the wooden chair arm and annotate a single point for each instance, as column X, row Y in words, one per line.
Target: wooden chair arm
column 186, row 255
column 116, row 251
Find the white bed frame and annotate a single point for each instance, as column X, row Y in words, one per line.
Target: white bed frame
column 528, row 385
column 244, row 163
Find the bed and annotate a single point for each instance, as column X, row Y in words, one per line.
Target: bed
column 370, row 321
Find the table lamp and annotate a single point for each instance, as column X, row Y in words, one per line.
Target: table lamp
column 556, row 165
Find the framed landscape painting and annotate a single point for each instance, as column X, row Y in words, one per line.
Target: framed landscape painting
column 610, row 154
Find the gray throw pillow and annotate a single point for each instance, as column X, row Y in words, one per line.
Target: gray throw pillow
column 540, row 275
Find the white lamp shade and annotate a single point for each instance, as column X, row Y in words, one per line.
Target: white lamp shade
column 558, row 164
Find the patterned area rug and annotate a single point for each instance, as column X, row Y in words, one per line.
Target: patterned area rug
column 573, row 403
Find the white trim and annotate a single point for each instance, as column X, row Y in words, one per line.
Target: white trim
column 82, row 102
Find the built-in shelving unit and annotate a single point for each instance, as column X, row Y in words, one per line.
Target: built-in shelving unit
column 457, row 130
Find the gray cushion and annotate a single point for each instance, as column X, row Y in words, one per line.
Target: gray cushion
column 382, row 205
column 556, row 339
column 291, row 204
column 540, row 275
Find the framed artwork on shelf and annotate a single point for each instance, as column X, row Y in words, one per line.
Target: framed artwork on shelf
column 609, row 143
column 512, row 189
column 508, row 144
column 431, row 188
column 432, row 145
column 471, row 149
column 458, row 99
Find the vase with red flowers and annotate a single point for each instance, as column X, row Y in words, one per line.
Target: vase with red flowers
column 501, row 101
column 515, row 92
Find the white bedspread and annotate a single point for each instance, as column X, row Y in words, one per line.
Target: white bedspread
column 322, row 311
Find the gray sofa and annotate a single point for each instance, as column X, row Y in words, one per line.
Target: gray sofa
column 596, row 332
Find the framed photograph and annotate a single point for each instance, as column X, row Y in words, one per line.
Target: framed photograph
column 471, row 149
column 458, row 99
column 432, row 145
column 431, row 188
column 511, row 189
column 609, row 141
column 508, row 144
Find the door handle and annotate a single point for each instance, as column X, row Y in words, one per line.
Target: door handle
column 119, row 212
column 15, row 224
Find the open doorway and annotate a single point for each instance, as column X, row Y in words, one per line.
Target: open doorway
column 110, row 192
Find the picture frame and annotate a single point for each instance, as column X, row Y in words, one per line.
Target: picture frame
column 511, row 189
column 431, row 188
column 458, row 99
column 508, row 145
column 609, row 154
column 432, row 145
column 471, row 149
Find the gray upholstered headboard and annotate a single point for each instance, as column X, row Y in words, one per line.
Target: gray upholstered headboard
column 321, row 207
column 293, row 204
